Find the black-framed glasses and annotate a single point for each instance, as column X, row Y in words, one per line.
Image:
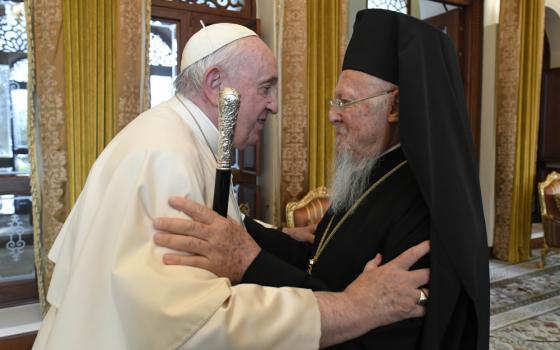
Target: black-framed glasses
column 340, row 104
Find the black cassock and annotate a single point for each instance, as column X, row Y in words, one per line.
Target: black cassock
column 392, row 218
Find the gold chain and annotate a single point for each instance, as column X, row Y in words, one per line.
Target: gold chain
column 325, row 239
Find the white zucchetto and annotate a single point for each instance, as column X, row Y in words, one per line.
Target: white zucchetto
column 211, row 38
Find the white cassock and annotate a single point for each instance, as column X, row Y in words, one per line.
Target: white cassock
column 110, row 289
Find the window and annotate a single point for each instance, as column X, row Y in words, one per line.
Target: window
column 229, row 5
column 163, row 60
column 393, row 5
column 17, row 271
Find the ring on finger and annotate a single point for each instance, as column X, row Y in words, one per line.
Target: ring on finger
column 423, row 298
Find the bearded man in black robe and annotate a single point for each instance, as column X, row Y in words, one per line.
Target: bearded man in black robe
column 404, row 172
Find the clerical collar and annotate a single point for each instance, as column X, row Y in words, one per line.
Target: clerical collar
column 206, row 131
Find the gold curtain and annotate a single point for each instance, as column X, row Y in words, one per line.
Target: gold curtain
column 90, row 78
column 324, row 63
column 313, row 42
column 520, row 48
column 88, row 60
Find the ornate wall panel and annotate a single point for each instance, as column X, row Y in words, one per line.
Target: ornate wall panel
column 133, row 28
column 48, row 149
column 294, row 100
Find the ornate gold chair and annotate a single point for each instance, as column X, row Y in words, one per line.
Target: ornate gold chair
column 309, row 210
column 549, row 197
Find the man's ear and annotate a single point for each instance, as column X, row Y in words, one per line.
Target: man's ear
column 211, row 85
column 393, row 116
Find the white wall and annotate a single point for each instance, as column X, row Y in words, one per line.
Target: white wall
column 353, row 7
column 269, row 181
column 488, row 114
column 552, row 28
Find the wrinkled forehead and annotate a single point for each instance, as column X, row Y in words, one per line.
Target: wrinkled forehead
column 258, row 58
column 263, row 52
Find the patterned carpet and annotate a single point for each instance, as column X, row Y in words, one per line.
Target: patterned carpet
column 525, row 304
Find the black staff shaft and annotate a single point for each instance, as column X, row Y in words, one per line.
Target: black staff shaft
column 221, row 191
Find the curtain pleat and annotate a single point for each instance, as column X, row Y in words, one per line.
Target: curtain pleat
column 90, row 31
column 323, row 68
column 520, row 47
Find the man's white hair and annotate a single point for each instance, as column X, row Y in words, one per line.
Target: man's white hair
column 228, row 57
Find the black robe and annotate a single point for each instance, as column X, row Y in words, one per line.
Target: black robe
column 392, row 218
column 436, row 140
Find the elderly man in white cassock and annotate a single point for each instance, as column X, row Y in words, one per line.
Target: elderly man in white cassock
column 110, row 289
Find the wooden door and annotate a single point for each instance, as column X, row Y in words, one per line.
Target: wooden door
column 549, row 131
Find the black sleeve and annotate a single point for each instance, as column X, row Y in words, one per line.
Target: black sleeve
column 278, row 243
column 282, row 261
column 269, row 270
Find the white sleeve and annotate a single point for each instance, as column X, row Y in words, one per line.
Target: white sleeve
column 256, row 317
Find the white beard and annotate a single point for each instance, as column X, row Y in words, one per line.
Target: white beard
column 350, row 178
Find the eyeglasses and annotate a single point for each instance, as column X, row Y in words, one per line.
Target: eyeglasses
column 340, row 104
